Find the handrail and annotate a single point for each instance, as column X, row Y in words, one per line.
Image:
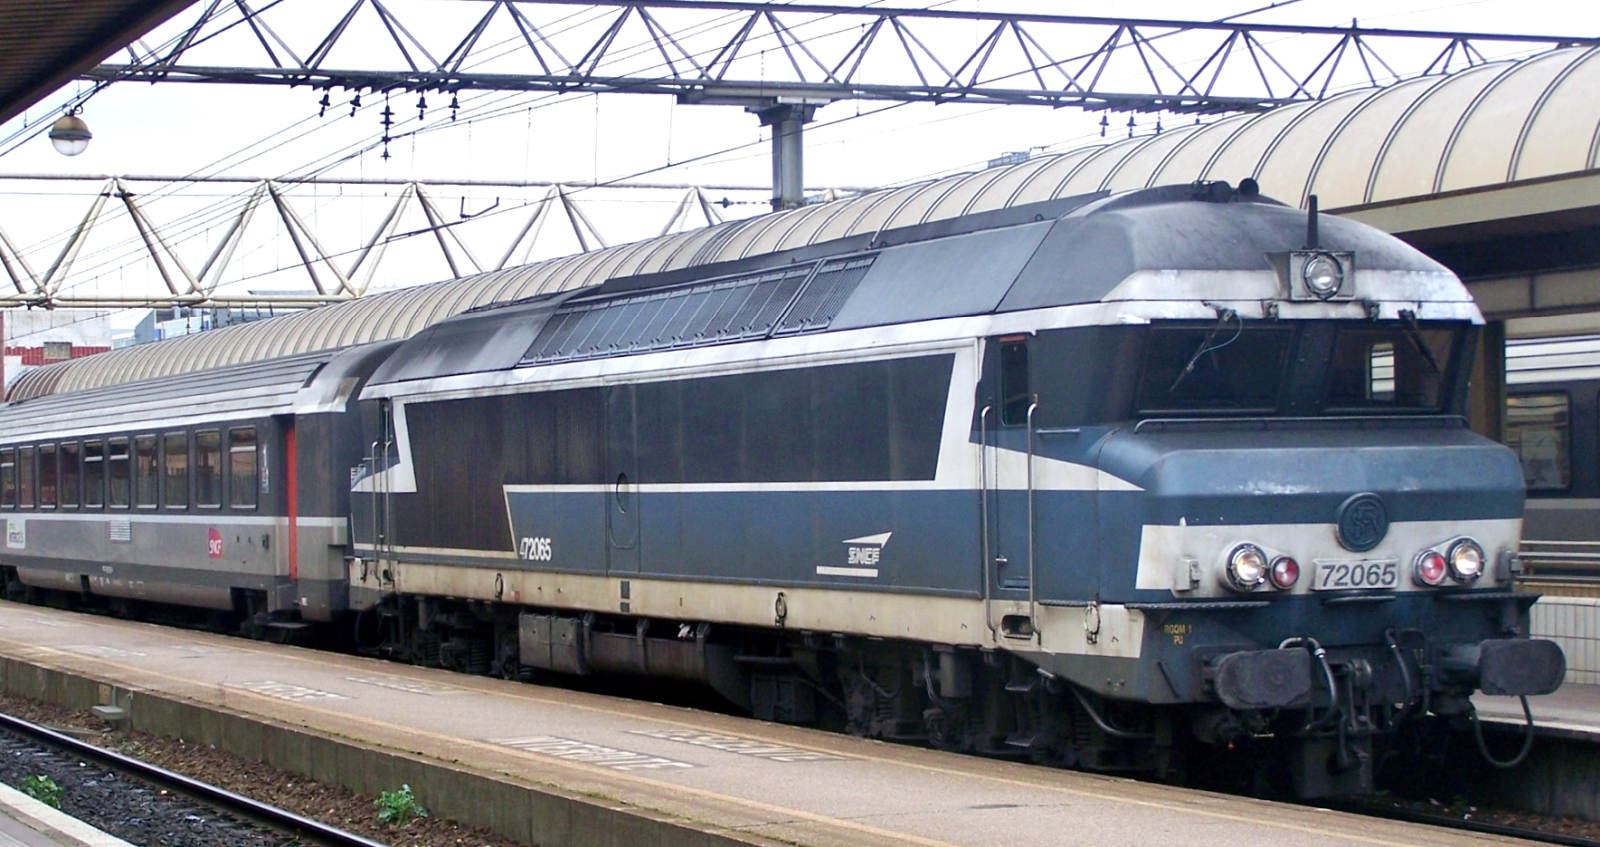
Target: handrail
column 983, row 506
column 1033, row 588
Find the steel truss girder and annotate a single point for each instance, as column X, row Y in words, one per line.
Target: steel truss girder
column 186, row 288
column 823, row 53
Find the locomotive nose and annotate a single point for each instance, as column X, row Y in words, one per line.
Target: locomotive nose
column 1316, row 497
column 1343, row 478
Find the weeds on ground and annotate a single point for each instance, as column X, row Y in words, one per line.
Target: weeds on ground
column 396, row 808
column 44, row 789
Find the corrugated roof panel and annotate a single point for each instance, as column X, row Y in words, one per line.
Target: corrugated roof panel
column 1136, row 168
column 806, row 232
column 844, row 223
column 739, row 244
column 1197, row 150
column 916, row 207
column 953, row 202
column 532, row 283
column 883, row 215
column 1560, row 137
column 1483, row 148
column 1342, row 172
column 999, row 194
column 1248, row 147
column 1289, row 163
column 654, row 251
column 679, row 254
column 574, row 272
column 1089, row 171
column 1410, row 159
column 774, row 239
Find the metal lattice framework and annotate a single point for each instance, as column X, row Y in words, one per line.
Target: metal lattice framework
column 742, row 52
column 334, row 275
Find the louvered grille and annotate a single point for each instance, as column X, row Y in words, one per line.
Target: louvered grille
column 738, row 309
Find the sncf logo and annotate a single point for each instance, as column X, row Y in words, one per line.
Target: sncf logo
column 861, row 557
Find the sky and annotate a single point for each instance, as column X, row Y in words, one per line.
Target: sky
column 260, row 131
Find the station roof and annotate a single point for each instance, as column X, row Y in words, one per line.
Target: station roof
column 44, row 44
column 1528, row 130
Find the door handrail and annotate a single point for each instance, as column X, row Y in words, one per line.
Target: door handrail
column 1033, row 583
column 983, row 506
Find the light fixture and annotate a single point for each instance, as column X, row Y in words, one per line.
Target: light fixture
column 70, row 135
column 1323, row 275
column 1466, row 560
column 1247, row 568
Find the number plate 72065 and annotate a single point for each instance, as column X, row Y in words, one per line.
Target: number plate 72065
column 1345, row 576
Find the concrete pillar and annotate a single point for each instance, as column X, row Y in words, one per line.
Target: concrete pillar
column 788, row 152
column 1486, row 398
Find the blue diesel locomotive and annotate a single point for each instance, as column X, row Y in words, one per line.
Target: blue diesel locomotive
column 1097, row 482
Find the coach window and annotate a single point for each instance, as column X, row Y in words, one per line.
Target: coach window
column 119, row 482
column 145, row 471
column 175, row 464
column 243, row 481
column 119, row 474
column 8, row 478
column 49, row 476
column 1539, row 431
column 25, row 477
column 71, row 475
column 208, row 469
column 1014, row 380
column 94, row 474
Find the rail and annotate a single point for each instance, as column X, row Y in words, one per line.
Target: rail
column 301, row 828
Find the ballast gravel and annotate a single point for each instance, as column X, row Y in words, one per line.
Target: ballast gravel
column 145, row 818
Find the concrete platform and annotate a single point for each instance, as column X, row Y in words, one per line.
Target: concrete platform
column 556, row 768
column 1573, row 711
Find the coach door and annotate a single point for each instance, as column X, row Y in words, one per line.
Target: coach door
column 622, row 495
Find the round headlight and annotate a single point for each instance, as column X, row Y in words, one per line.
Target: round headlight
column 1323, row 276
column 1429, row 569
column 1247, row 567
column 1285, row 572
column 1466, row 560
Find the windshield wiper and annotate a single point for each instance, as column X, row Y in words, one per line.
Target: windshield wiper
column 1224, row 314
column 1408, row 320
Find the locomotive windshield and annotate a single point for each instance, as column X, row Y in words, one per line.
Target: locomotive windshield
column 1224, row 367
column 1236, row 367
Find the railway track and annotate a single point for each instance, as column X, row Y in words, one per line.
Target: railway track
column 1445, row 821
column 268, row 820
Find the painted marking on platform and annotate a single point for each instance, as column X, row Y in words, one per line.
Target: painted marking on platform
column 285, row 690
column 593, row 754
column 101, row 651
column 193, row 652
column 397, row 683
column 44, row 622
column 741, row 746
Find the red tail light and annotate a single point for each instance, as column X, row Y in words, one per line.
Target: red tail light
column 1430, row 568
column 1285, row 572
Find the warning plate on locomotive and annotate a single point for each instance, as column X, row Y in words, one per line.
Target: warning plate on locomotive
column 1347, row 576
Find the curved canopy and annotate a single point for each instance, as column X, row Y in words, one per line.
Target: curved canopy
column 1499, row 123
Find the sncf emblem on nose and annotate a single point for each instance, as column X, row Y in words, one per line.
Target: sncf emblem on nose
column 1363, row 522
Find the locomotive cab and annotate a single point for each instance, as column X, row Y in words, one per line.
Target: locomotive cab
column 1292, row 519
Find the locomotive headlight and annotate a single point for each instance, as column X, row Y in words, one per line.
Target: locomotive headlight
column 1323, row 276
column 1430, row 568
column 1466, row 560
column 1247, row 567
